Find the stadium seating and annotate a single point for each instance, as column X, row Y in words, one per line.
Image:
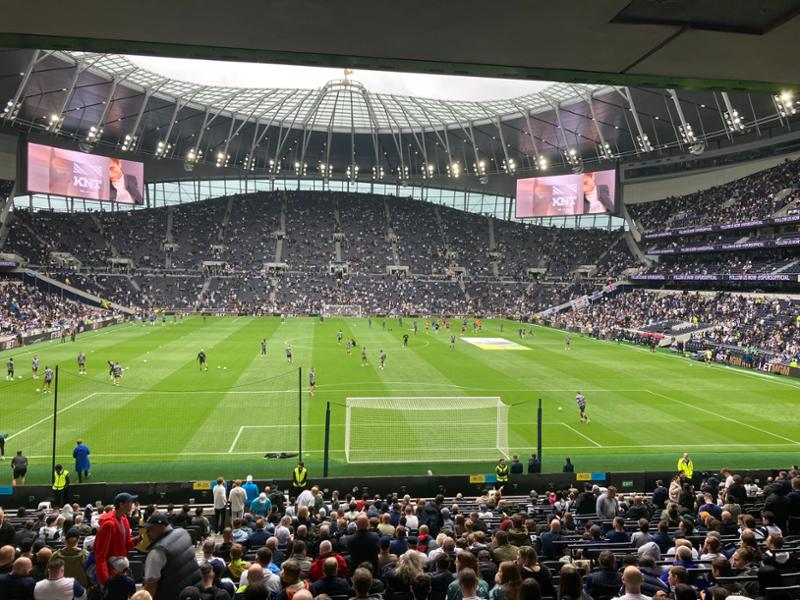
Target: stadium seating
column 734, row 534
column 757, row 196
column 309, row 232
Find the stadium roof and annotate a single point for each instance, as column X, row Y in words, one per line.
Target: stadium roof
column 341, row 104
column 325, row 126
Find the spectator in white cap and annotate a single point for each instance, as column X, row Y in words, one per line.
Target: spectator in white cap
column 120, row 584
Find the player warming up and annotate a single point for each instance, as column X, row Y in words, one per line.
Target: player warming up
column 580, row 400
column 48, row 378
column 263, row 347
column 10, row 368
column 452, row 341
column 339, row 336
column 364, row 362
column 312, row 382
column 201, row 359
column 567, row 343
column 81, row 363
column 117, row 373
column 382, row 357
column 289, row 357
column 35, row 367
column 405, row 340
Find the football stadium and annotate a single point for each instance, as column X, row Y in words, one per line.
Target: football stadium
column 296, row 304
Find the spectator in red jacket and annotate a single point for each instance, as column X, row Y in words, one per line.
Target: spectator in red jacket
column 326, row 551
column 114, row 535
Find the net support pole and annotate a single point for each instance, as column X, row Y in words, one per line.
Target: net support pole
column 539, row 431
column 299, row 414
column 327, row 439
column 55, row 429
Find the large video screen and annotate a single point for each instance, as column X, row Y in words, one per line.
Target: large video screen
column 590, row 193
column 68, row 173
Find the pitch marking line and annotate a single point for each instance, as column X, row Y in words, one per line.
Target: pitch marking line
column 48, row 417
column 731, row 419
column 586, row 437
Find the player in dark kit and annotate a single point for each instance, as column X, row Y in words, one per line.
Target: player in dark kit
column 339, row 336
column 382, row 357
column 81, row 363
column 567, row 342
column 10, row 368
column 201, row 358
column 263, row 347
column 405, row 339
column 117, row 373
column 364, row 356
column 452, row 341
column 289, row 357
column 312, row 382
column 110, row 369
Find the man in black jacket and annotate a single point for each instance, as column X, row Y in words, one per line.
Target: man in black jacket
column 432, row 515
column 363, row 545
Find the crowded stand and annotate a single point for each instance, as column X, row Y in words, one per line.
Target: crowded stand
column 768, row 324
column 712, row 535
column 756, row 196
column 26, row 309
column 220, row 247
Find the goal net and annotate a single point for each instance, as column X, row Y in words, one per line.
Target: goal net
column 341, row 310
column 425, row 429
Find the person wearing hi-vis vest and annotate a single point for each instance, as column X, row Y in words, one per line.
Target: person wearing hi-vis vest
column 60, row 484
column 300, row 477
column 686, row 465
column 501, row 470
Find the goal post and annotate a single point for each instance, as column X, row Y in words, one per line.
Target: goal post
column 341, row 310
column 409, row 429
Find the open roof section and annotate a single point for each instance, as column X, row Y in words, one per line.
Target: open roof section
column 340, row 103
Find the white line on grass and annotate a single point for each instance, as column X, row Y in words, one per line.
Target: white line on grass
column 236, row 439
column 731, row 419
column 586, row 437
column 48, row 417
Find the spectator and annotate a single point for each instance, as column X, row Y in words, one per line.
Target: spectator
column 570, row 586
column 119, row 585
column 632, row 580
column 74, row 557
column 170, row 565
column 331, row 583
column 56, row 586
column 508, row 582
column 18, row 584
column 114, row 535
column 363, row 545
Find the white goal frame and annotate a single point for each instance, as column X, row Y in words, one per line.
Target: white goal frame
column 431, row 403
column 341, row 310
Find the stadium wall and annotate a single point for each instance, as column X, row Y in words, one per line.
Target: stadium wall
column 199, row 492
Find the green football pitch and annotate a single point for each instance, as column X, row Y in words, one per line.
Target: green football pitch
column 167, row 420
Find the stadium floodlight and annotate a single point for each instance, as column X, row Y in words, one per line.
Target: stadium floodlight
column 454, row 170
column 300, row 169
column 428, row 171
column 11, row 110
column 352, row 172
column 222, row 159
column 54, row 123
column 162, row 148
column 94, row 133
column 480, row 167
column 687, row 134
column 274, row 166
column 643, row 141
column 572, row 157
column 509, row 166
column 378, row 173
column 606, row 152
column 128, row 142
column 325, row 170
column 542, row 162
column 403, row 172
column 733, row 121
column 249, row 163
column 785, row 104
column 193, row 156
